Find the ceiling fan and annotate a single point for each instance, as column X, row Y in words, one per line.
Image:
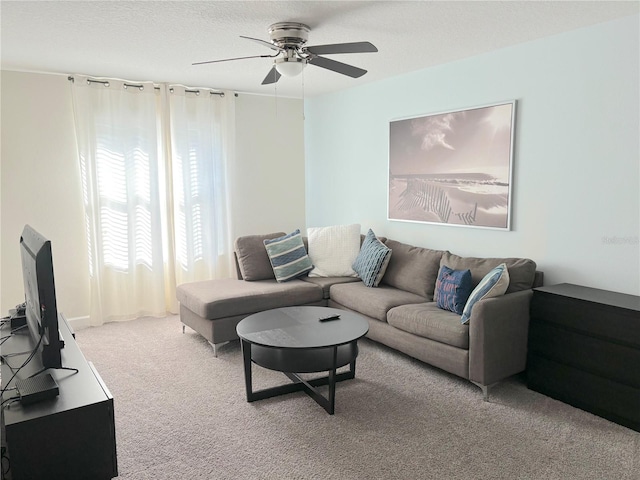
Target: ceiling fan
column 288, row 40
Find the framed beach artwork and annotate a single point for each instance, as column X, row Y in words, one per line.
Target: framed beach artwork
column 453, row 168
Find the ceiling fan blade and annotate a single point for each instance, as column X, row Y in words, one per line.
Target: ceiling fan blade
column 338, row 67
column 354, row 47
column 231, row 59
column 272, row 77
column 266, row 44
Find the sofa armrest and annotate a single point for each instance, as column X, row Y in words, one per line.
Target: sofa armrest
column 498, row 334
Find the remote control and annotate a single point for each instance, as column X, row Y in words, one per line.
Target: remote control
column 329, row 318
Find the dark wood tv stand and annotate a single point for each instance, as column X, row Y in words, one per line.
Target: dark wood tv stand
column 584, row 349
column 71, row 436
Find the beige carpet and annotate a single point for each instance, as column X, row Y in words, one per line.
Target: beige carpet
column 182, row 414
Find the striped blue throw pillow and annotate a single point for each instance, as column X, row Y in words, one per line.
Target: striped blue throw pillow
column 372, row 261
column 288, row 256
column 494, row 284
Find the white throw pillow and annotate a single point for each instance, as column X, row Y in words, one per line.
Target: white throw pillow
column 333, row 250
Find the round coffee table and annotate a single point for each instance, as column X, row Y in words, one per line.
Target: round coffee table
column 293, row 340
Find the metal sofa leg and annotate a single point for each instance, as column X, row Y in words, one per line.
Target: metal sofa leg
column 215, row 347
column 485, row 390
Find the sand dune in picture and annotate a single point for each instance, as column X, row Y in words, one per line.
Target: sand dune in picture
column 466, row 199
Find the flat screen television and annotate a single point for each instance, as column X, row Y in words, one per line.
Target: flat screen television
column 40, row 296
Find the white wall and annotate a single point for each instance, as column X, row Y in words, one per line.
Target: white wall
column 40, row 179
column 576, row 201
column 268, row 195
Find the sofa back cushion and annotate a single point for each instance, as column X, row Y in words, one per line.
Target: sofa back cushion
column 252, row 256
column 413, row 269
column 521, row 270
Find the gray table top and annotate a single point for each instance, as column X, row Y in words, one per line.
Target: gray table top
column 299, row 327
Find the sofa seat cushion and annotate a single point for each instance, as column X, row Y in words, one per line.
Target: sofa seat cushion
column 226, row 297
column 428, row 321
column 372, row 302
column 326, row 282
column 522, row 271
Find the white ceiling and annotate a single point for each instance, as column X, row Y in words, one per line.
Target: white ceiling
column 158, row 40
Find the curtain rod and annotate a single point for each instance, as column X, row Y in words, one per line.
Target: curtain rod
column 141, row 87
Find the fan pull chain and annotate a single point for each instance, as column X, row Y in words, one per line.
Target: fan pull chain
column 275, row 97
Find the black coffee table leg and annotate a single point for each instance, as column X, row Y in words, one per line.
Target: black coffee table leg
column 246, row 355
column 332, row 383
column 299, row 384
column 310, row 386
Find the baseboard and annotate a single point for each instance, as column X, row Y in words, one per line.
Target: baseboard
column 78, row 323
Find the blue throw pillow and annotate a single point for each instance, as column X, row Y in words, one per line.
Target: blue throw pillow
column 288, row 256
column 372, row 261
column 453, row 288
column 494, row 284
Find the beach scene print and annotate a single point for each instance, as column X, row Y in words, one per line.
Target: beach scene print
column 453, row 168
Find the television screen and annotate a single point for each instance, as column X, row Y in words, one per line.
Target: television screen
column 40, row 296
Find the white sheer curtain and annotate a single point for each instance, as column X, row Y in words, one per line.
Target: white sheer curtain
column 154, row 181
column 202, row 130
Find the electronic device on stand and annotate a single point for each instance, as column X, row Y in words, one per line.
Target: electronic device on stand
column 57, row 413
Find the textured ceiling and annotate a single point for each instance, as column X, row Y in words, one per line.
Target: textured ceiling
column 149, row 40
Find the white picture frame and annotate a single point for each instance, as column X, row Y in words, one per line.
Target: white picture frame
column 453, row 168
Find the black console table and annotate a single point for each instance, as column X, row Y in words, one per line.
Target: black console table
column 584, row 349
column 71, row 436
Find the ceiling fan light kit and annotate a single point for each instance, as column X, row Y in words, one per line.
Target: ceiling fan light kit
column 288, row 40
column 289, row 67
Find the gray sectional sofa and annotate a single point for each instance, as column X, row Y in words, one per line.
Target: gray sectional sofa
column 401, row 311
